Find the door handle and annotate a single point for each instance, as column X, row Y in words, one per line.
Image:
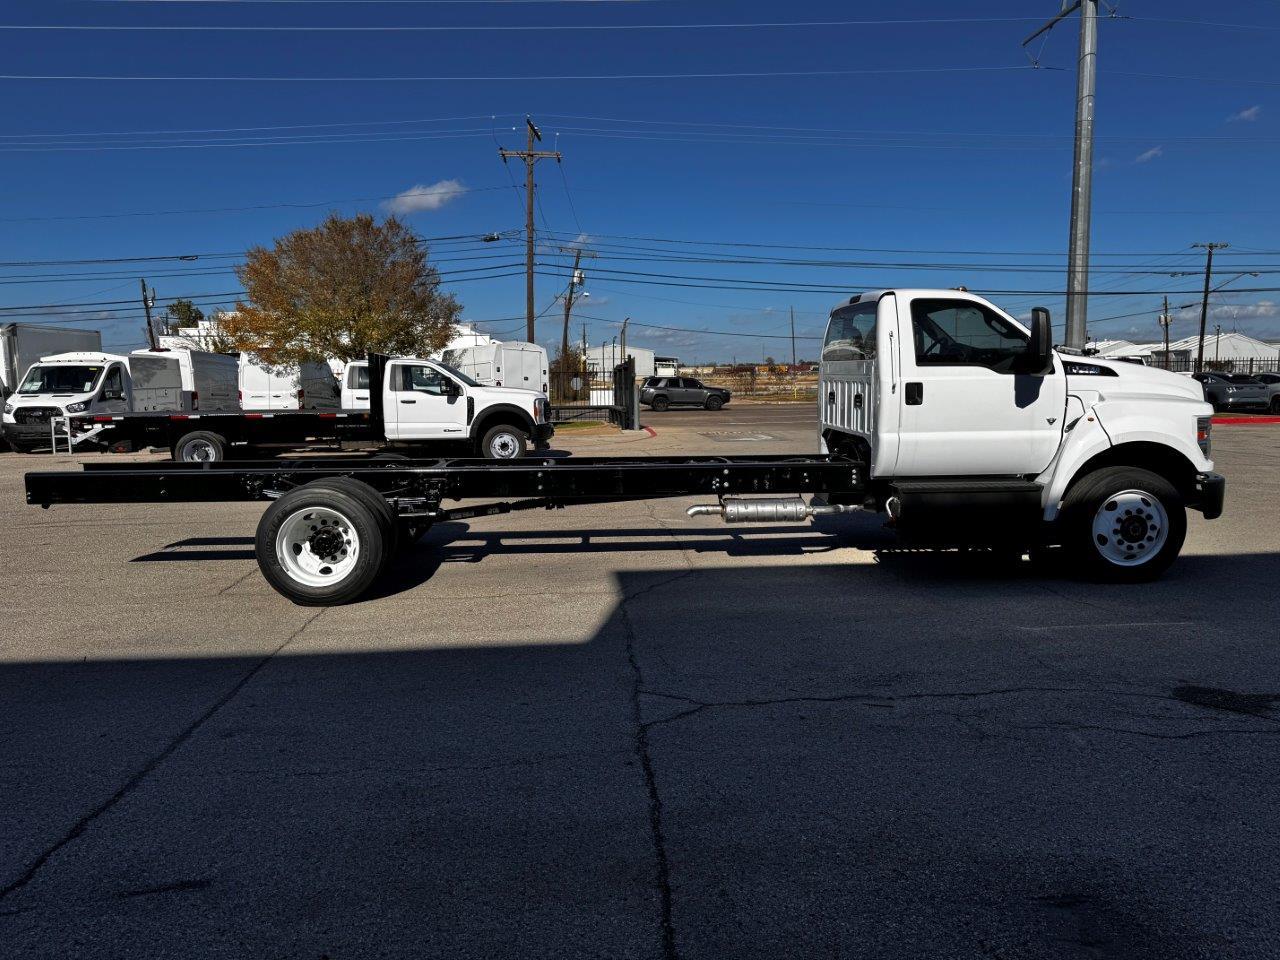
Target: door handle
column 914, row 394
column 408, row 401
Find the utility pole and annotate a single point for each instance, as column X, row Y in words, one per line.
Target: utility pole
column 793, row 337
column 625, row 321
column 1204, row 302
column 575, row 280
column 1082, row 171
column 1165, row 320
column 1217, row 345
column 530, row 156
column 148, row 301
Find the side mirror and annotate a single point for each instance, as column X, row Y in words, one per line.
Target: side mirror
column 452, row 388
column 1040, row 349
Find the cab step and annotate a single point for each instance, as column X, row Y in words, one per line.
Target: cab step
column 973, row 509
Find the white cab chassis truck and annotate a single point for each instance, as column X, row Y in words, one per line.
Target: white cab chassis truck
column 937, row 408
column 974, row 429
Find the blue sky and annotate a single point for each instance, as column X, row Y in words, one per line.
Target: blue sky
column 918, row 143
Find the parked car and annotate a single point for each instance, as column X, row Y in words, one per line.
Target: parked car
column 1271, row 379
column 663, row 392
column 1233, row 391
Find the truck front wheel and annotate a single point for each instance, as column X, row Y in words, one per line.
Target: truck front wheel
column 1123, row 525
column 200, row 446
column 320, row 546
column 504, row 442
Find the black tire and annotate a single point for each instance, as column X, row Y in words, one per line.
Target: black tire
column 388, row 520
column 714, row 403
column 660, row 404
column 504, row 437
column 199, row 446
column 1275, row 403
column 365, row 563
column 1097, row 493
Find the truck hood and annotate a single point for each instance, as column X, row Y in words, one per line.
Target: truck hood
column 511, row 394
column 1116, row 378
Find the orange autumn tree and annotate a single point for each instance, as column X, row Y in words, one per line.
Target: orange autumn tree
column 347, row 288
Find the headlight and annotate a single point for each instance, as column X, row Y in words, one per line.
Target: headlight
column 8, row 408
column 1203, row 427
column 80, row 407
column 1231, row 389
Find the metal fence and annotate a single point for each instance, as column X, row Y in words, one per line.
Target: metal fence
column 1185, row 364
column 592, row 394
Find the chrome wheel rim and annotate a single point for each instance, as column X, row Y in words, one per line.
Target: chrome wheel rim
column 504, row 446
column 198, row 451
column 1130, row 528
column 317, row 546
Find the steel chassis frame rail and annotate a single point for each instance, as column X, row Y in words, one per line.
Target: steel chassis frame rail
column 417, row 487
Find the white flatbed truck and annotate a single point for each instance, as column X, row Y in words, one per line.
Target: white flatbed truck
column 937, row 408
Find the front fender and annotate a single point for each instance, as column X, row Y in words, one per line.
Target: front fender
column 487, row 417
column 1170, row 424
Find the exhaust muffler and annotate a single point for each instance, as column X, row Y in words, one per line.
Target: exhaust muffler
column 768, row 510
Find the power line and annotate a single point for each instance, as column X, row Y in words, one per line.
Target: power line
column 740, row 74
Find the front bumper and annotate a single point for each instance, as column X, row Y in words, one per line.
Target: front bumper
column 542, row 433
column 1243, row 403
column 26, row 434
column 1210, row 494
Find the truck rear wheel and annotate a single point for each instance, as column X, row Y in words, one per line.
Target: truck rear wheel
column 388, row 520
column 1123, row 525
column 504, row 442
column 320, row 546
column 200, row 446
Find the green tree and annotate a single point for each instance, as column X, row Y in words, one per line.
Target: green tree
column 181, row 313
column 349, row 287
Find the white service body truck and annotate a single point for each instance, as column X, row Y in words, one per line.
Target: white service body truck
column 101, row 384
column 508, row 363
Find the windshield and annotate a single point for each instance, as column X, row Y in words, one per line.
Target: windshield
column 1242, row 378
column 60, row 379
column 459, row 374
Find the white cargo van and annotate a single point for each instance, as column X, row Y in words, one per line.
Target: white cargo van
column 306, row 386
column 90, row 382
column 508, row 364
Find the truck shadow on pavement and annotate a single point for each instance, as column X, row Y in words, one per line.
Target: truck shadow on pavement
column 716, row 761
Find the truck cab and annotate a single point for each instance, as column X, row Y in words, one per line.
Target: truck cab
column 964, row 416
column 428, row 400
column 61, row 385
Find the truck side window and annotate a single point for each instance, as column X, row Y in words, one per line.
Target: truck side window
column 113, row 384
column 419, row 378
column 851, row 333
column 358, row 378
column 963, row 333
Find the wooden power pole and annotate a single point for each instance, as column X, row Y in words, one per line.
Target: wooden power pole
column 793, row 338
column 148, row 301
column 1204, row 303
column 530, row 156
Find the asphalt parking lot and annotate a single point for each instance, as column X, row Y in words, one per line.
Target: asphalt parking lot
column 613, row 731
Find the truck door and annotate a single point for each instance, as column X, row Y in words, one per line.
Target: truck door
column 423, row 402
column 966, row 407
column 355, row 395
column 111, row 396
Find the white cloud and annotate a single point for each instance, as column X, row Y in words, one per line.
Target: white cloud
column 1148, row 155
column 1247, row 115
column 426, row 197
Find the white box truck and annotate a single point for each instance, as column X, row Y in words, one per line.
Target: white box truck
column 305, row 386
column 22, row 344
column 87, row 383
column 506, row 364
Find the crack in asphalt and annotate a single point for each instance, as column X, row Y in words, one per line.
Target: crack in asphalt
column 87, row 820
column 870, row 699
column 651, row 786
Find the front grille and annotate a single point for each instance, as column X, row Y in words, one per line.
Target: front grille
column 35, row 414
